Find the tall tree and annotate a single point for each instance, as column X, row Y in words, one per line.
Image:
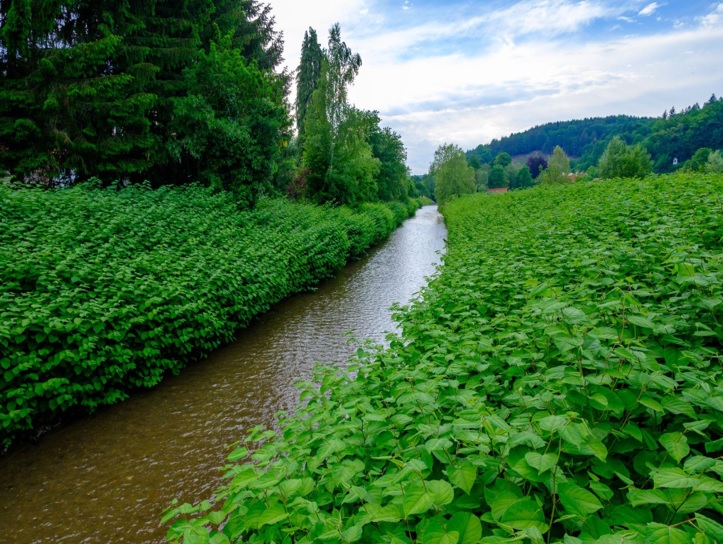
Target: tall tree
column 307, row 77
column 498, row 177
column 388, row 148
column 621, row 160
column 558, row 168
column 329, row 122
column 523, row 179
column 454, row 177
column 91, row 88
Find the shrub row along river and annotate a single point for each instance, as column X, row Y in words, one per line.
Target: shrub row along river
column 108, row 478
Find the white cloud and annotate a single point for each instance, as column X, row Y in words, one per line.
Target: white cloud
column 649, row 9
column 431, row 94
column 294, row 18
column 714, row 18
column 553, row 17
column 472, row 100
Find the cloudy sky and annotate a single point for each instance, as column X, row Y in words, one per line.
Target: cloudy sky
column 469, row 71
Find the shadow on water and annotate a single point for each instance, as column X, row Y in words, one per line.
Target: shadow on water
column 108, row 478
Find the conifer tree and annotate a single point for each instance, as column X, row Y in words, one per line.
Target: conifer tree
column 307, row 77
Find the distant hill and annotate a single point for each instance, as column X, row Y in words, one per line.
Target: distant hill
column 675, row 135
column 580, row 139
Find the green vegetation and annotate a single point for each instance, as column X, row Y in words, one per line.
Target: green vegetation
column 558, row 168
column 105, row 291
column 161, row 91
column 345, row 156
column 186, row 93
column 621, row 160
column 559, row 381
column 674, row 135
column 453, row 177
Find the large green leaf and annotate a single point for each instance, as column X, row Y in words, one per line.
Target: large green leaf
column 463, row 476
column 675, row 478
column 467, row 526
column 416, row 500
column 657, row 533
column 576, row 500
column 440, row 491
column 542, row 463
column 435, row 533
column 676, row 445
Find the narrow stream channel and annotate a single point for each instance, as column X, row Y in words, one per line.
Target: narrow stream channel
column 108, row 478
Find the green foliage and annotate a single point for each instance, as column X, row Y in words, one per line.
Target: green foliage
column 105, row 291
column 227, row 129
column 558, row 168
column 453, row 176
column 503, row 159
column 581, row 138
column 523, row 179
column 680, row 135
column 699, row 159
column 387, row 146
column 621, row 160
column 715, row 163
column 497, row 177
column 307, row 77
column 559, row 381
column 133, row 91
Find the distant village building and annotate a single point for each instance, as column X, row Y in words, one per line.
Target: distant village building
column 498, row 190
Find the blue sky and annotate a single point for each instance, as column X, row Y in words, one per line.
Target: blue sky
column 466, row 72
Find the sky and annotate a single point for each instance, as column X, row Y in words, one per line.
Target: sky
column 467, row 72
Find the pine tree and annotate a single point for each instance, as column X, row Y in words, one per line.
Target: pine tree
column 307, row 77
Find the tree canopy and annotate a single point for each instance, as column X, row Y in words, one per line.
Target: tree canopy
column 453, row 176
column 157, row 90
column 621, row 160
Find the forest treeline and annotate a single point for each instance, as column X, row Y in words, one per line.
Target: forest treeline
column 674, row 135
column 175, row 93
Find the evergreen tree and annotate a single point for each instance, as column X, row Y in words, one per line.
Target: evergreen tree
column 307, row 77
column 102, row 88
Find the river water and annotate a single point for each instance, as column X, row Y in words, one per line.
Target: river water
column 108, row 478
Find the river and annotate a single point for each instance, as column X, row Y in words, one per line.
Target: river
column 108, row 478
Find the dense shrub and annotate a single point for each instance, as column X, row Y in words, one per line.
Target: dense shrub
column 104, row 291
column 559, row 381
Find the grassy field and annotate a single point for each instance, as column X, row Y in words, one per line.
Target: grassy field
column 559, row 381
column 105, row 291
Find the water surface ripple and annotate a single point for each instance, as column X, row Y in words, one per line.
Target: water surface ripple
column 108, row 478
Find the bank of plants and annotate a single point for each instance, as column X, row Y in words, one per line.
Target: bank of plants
column 559, row 381
column 105, row 291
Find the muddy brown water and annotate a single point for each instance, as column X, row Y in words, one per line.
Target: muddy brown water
column 108, row 478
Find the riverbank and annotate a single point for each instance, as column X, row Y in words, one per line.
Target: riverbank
column 106, row 291
column 559, row 380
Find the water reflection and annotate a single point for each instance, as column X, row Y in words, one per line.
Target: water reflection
column 108, row 478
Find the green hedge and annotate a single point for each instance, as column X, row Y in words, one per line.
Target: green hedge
column 104, row 291
column 559, row 381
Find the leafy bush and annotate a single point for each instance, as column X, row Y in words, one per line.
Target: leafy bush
column 104, row 291
column 559, row 381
